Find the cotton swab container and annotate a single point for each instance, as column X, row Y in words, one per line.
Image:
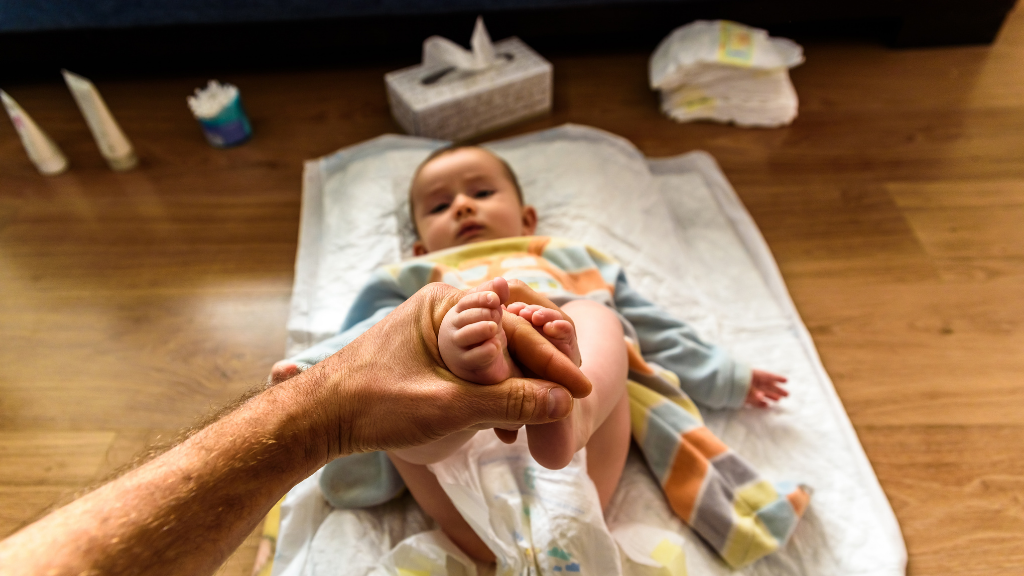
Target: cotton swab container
column 218, row 108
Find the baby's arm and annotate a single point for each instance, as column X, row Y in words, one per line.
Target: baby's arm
column 285, row 369
column 707, row 373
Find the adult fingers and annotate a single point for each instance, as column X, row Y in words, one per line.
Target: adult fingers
column 393, row 390
column 535, row 354
column 506, row 436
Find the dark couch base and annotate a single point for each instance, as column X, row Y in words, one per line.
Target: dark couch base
column 396, row 40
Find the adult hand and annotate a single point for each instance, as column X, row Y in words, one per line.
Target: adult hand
column 186, row 510
column 389, row 388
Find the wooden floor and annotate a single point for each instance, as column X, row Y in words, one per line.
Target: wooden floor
column 131, row 303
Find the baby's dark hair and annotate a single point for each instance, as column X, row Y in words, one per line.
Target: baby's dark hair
column 452, row 148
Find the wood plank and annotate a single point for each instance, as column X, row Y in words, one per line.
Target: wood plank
column 135, row 361
column 39, row 457
column 135, row 302
column 853, row 230
column 956, row 490
column 938, row 353
column 22, row 505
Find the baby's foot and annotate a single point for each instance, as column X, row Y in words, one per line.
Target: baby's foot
column 549, row 322
column 472, row 342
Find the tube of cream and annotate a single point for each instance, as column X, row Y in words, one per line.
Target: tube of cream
column 112, row 142
column 42, row 151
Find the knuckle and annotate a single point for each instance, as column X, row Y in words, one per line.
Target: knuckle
column 520, row 404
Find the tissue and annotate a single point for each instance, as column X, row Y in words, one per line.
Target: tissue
column 456, row 94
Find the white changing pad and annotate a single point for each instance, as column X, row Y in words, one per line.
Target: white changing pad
column 686, row 243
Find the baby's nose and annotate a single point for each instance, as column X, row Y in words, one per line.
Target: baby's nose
column 465, row 206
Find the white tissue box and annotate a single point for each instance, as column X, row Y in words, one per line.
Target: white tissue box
column 459, row 104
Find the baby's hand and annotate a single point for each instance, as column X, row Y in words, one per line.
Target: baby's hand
column 281, row 371
column 765, row 388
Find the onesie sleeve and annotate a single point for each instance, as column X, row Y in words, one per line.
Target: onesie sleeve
column 321, row 350
column 707, row 373
column 377, row 299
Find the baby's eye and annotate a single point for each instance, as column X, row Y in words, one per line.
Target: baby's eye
column 438, row 208
column 483, row 193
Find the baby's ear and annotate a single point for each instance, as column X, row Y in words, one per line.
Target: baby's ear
column 418, row 249
column 529, row 220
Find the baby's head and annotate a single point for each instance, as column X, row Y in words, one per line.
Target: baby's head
column 465, row 194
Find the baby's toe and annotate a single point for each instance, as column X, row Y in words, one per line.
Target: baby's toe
column 478, row 300
column 476, row 315
column 482, row 356
column 528, row 311
column 562, row 334
column 475, row 333
column 543, row 316
column 559, row 329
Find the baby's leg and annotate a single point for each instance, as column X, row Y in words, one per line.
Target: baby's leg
column 601, row 420
column 427, row 491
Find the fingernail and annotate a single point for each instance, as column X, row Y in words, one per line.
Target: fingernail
column 559, row 403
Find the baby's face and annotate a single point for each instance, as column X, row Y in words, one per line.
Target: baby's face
column 466, row 196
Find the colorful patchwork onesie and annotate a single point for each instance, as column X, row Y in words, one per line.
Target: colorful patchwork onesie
column 717, row 493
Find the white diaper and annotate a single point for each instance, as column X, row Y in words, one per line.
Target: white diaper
column 536, row 521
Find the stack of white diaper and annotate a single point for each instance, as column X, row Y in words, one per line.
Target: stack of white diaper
column 726, row 72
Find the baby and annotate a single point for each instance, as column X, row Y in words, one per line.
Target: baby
column 465, row 195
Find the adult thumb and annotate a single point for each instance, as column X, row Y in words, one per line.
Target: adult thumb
column 518, row 401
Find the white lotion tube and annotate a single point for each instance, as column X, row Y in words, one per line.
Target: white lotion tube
column 112, row 142
column 42, row 151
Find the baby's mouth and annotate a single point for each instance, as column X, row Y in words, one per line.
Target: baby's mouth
column 468, row 230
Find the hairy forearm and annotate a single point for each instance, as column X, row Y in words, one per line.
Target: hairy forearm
column 187, row 510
